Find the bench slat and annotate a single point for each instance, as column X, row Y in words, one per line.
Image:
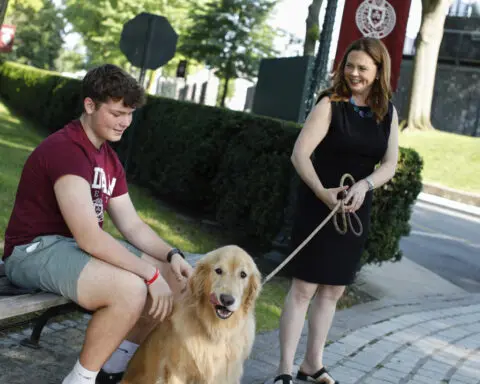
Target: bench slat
column 23, row 304
column 4, row 283
column 8, row 289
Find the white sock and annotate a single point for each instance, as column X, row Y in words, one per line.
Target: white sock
column 80, row 375
column 119, row 360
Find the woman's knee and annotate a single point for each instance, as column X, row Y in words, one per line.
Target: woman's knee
column 302, row 292
column 330, row 292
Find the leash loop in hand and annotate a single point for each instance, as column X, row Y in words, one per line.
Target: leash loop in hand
column 347, row 223
column 347, row 216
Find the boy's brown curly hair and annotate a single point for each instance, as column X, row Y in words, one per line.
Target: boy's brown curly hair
column 111, row 82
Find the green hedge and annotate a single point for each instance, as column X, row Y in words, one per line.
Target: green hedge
column 43, row 96
column 229, row 165
column 392, row 208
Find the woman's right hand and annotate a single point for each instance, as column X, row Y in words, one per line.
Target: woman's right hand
column 162, row 298
column 330, row 196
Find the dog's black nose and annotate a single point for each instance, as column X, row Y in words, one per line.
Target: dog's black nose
column 227, row 300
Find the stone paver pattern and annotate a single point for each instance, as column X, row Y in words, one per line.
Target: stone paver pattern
column 434, row 340
column 421, row 341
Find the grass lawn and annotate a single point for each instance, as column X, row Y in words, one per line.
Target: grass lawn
column 450, row 160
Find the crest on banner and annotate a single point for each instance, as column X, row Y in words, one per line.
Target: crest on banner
column 375, row 18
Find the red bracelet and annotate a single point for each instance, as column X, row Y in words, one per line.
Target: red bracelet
column 155, row 277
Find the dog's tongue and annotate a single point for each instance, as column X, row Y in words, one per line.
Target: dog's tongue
column 213, row 299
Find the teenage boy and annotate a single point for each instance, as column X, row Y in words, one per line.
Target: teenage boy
column 55, row 242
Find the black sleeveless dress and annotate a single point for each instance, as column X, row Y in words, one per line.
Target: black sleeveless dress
column 354, row 145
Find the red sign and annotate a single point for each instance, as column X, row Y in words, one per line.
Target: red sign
column 381, row 19
column 7, row 35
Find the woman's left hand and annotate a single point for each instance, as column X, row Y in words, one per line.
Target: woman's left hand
column 355, row 196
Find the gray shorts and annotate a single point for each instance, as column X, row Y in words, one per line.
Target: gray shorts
column 52, row 264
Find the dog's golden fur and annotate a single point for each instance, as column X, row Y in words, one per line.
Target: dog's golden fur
column 194, row 345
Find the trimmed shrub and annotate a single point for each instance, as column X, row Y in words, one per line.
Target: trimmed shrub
column 64, row 103
column 252, row 183
column 43, row 96
column 392, row 208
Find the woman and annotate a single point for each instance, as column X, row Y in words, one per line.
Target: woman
column 352, row 128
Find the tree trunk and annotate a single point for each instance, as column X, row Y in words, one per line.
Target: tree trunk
column 3, row 10
column 425, row 65
column 312, row 31
column 476, row 9
column 225, row 91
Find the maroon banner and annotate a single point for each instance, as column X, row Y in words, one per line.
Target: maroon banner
column 7, row 35
column 381, row 19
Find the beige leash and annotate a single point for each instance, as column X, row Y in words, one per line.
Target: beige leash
column 346, row 220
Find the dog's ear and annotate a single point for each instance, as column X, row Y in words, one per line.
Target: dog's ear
column 253, row 290
column 199, row 280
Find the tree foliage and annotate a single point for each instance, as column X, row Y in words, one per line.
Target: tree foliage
column 100, row 23
column 69, row 60
column 39, row 33
column 35, row 5
column 230, row 36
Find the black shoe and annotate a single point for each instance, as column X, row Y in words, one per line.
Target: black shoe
column 108, row 378
column 321, row 374
column 284, row 379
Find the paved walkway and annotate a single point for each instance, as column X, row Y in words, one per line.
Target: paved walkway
column 421, row 341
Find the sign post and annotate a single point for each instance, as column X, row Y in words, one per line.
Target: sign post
column 146, row 53
column 148, row 41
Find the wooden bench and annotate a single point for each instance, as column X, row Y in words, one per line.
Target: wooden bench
column 15, row 301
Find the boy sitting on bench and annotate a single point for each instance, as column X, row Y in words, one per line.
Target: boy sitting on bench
column 55, row 242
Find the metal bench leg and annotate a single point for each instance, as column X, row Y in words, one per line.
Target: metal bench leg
column 33, row 340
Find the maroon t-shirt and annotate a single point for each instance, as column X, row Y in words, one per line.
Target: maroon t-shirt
column 66, row 152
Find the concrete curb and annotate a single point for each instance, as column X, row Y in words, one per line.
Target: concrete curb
column 451, row 205
column 452, row 194
column 402, row 280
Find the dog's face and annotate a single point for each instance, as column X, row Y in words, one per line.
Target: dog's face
column 227, row 281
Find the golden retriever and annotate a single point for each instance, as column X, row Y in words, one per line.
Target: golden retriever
column 211, row 330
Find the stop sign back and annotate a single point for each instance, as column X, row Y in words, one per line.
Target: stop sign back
column 148, row 41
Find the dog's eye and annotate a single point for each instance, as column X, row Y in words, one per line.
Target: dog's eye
column 218, row 271
column 243, row 275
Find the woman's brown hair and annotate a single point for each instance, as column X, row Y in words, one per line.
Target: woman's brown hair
column 381, row 91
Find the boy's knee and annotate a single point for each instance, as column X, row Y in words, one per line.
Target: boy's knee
column 133, row 293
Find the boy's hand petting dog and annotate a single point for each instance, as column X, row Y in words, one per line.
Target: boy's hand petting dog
column 181, row 269
column 162, row 298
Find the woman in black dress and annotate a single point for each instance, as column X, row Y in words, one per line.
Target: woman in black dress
column 352, row 128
